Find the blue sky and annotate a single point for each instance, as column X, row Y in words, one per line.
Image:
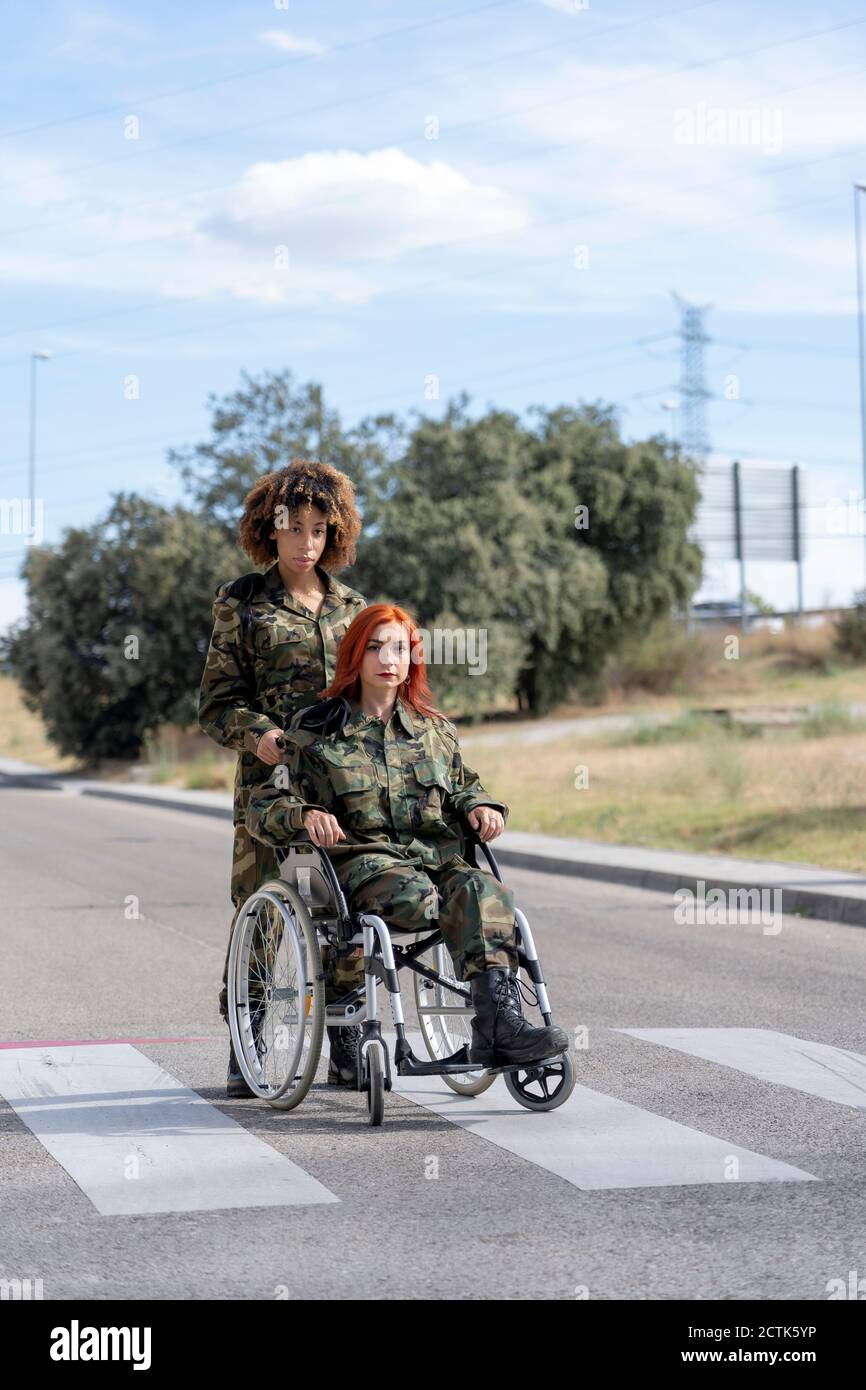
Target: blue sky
column 497, row 196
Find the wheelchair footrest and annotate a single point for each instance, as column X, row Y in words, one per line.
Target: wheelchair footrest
column 458, row 1061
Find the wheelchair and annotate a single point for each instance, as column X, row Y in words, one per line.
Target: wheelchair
column 276, row 992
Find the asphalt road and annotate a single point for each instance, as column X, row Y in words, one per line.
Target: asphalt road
column 689, row 1179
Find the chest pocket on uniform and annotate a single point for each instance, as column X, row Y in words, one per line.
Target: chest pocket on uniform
column 270, row 633
column 432, row 786
column 358, row 787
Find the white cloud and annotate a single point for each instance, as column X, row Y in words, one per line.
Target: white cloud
column 566, row 6
column 339, row 205
column 291, row 43
column 603, row 168
column 330, row 209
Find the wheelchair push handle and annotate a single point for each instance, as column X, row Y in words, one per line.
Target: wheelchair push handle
column 472, row 845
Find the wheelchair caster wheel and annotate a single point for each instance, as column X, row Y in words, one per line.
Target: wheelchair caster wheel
column 545, row 1086
column 374, row 1079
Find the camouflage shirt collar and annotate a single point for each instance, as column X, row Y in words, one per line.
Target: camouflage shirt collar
column 336, row 592
column 401, row 712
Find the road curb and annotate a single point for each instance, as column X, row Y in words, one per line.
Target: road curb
column 199, row 808
column 809, row 902
column 822, row 904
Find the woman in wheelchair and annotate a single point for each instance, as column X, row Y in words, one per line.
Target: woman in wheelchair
column 384, row 791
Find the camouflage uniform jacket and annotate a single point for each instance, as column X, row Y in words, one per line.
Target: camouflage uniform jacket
column 268, row 657
column 398, row 791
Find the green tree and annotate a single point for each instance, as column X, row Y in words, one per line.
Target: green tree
column 480, row 527
column 453, row 538
column 262, row 426
column 118, row 621
column 472, row 524
column 540, row 546
column 628, row 507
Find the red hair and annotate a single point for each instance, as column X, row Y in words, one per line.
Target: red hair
column 347, row 676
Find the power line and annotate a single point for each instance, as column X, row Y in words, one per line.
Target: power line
column 752, row 402
column 762, row 343
column 650, row 338
column 545, row 259
column 522, row 262
column 433, row 283
column 167, row 303
column 163, row 302
column 414, row 138
column 161, row 441
column 535, row 152
column 348, row 198
column 413, row 83
column 257, row 71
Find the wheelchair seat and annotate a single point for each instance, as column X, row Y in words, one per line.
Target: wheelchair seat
column 307, row 868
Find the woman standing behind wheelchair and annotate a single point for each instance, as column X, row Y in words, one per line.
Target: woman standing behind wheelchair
column 274, row 645
column 384, row 794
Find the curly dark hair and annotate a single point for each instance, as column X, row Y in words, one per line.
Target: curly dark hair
column 302, row 483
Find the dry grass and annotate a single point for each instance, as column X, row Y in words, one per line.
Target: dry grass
column 797, row 666
column 22, row 734
column 779, row 796
column 187, row 758
column 797, row 794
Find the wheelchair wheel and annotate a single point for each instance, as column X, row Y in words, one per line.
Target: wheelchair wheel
column 374, row 1077
column 276, row 995
column 444, row 1033
column 543, row 1088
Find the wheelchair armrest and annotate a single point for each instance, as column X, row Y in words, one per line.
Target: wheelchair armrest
column 300, row 837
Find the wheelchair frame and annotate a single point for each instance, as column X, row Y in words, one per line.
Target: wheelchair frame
column 337, row 930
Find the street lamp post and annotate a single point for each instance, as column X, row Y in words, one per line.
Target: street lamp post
column 858, row 189
column 34, row 358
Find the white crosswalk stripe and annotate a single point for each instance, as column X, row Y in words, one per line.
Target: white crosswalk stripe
column 831, row 1073
column 597, row 1142
column 135, row 1139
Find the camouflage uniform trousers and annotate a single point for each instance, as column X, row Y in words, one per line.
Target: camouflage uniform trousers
column 254, row 863
column 473, row 911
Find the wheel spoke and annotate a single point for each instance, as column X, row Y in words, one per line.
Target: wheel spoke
column 273, row 992
column 446, row 1033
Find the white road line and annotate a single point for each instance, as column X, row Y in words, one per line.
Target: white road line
column 135, row 1139
column 595, row 1141
column 831, row 1073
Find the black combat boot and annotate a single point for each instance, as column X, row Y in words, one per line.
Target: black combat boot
column 343, row 1061
column 236, row 1086
column 501, row 1036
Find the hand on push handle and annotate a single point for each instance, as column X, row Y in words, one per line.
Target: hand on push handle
column 486, row 822
column 270, row 746
column 322, row 827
